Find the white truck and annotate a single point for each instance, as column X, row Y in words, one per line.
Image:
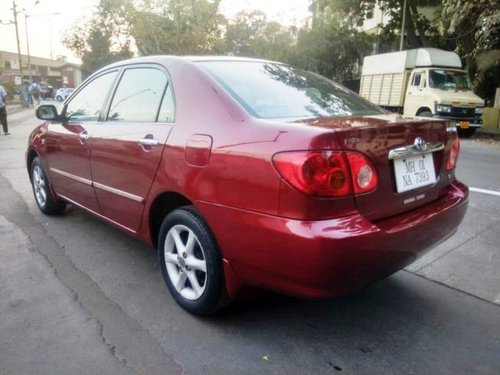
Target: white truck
column 423, row 82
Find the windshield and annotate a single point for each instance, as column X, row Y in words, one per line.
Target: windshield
column 449, row 79
column 271, row 90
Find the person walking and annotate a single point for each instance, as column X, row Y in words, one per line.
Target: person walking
column 3, row 111
column 36, row 92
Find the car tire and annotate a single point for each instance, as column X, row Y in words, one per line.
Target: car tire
column 191, row 263
column 59, row 98
column 466, row 133
column 42, row 191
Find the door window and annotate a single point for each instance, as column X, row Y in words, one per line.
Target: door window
column 89, row 101
column 138, row 96
column 167, row 110
column 416, row 79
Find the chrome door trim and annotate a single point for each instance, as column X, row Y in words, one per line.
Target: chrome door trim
column 95, row 213
column 71, row 176
column 121, row 193
column 418, row 148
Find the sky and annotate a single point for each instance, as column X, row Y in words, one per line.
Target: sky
column 46, row 29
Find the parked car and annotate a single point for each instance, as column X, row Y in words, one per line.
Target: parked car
column 46, row 91
column 277, row 178
column 63, row 93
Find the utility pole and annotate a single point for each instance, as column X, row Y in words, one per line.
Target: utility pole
column 403, row 26
column 14, row 10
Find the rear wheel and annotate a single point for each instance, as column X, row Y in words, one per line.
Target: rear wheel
column 191, row 263
column 41, row 189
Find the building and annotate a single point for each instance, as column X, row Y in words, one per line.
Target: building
column 56, row 73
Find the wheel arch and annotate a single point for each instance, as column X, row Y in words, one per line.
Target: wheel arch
column 423, row 109
column 162, row 205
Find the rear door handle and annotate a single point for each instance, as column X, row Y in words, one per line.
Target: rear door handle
column 84, row 135
column 149, row 142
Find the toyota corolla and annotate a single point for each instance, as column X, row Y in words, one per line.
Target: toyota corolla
column 249, row 174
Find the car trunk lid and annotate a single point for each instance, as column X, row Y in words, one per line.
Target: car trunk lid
column 401, row 150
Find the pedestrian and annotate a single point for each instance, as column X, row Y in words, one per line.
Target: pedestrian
column 36, row 92
column 3, row 111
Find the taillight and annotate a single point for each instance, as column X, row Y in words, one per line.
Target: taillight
column 364, row 177
column 326, row 173
column 453, row 155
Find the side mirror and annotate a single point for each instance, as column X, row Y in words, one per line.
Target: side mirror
column 48, row 112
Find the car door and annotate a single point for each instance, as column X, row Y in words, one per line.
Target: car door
column 68, row 143
column 128, row 146
column 417, row 94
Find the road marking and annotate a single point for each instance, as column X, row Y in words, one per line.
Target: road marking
column 484, row 191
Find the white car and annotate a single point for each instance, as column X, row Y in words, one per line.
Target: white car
column 63, row 93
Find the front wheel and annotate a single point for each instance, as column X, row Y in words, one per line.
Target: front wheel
column 41, row 189
column 191, row 263
column 466, row 133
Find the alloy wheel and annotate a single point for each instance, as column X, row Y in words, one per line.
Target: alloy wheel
column 39, row 186
column 185, row 262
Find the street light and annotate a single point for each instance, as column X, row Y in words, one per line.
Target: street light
column 26, row 16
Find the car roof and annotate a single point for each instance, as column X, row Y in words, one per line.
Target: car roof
column 183, row 59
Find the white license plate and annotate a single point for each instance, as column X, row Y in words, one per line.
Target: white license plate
column 414, row 172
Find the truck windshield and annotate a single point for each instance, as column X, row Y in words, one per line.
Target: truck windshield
column 449, row 79
column 272, row 90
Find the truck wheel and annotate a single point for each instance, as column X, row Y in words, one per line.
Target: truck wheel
column 466, row 133
column 425, row 114
column 191, row 263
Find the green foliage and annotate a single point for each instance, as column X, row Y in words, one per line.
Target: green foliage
column 330, row 43
column 100, row 40
column 332, row 48
column 474, row 27
column 176, row 26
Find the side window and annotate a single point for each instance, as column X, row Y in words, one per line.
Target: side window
column 167, row 109
column 88, row 103
column 416, row 79
column 138, row 95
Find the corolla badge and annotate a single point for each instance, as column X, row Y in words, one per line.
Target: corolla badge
column 420, row 144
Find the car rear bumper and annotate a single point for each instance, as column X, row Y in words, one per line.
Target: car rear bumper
column 327, row 258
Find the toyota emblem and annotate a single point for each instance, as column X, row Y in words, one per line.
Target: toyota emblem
column 420, row 144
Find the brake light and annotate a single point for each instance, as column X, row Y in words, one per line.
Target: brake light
column 364, row 177
column 326, row 173
column 453, row 155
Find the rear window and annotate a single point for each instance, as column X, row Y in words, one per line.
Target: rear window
column 272, row 90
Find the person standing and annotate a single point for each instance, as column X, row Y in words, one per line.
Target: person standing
column 36, row 92
column 3, row 111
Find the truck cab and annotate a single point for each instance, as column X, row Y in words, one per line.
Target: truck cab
column 423, row 82
column 444, row 93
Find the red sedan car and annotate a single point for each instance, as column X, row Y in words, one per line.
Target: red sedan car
column 249, row 174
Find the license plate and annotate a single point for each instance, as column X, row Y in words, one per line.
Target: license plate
column 464, row 124
column 414, row 172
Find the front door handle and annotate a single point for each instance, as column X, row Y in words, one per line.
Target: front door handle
column 84, row 135
column 149, row 142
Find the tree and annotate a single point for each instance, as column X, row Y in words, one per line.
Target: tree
column 332, row 47
column 475, row 28
column 100, row 40
column 418, row 28
column 250, row 34
column 176, row 26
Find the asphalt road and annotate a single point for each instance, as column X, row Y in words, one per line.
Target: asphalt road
column 79, row 297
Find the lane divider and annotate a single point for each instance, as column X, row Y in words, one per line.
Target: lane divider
column 485, row 191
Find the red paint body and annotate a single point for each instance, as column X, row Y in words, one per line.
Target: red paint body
column 219, row 158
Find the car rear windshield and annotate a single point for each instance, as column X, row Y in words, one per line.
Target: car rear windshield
column 272, row 90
